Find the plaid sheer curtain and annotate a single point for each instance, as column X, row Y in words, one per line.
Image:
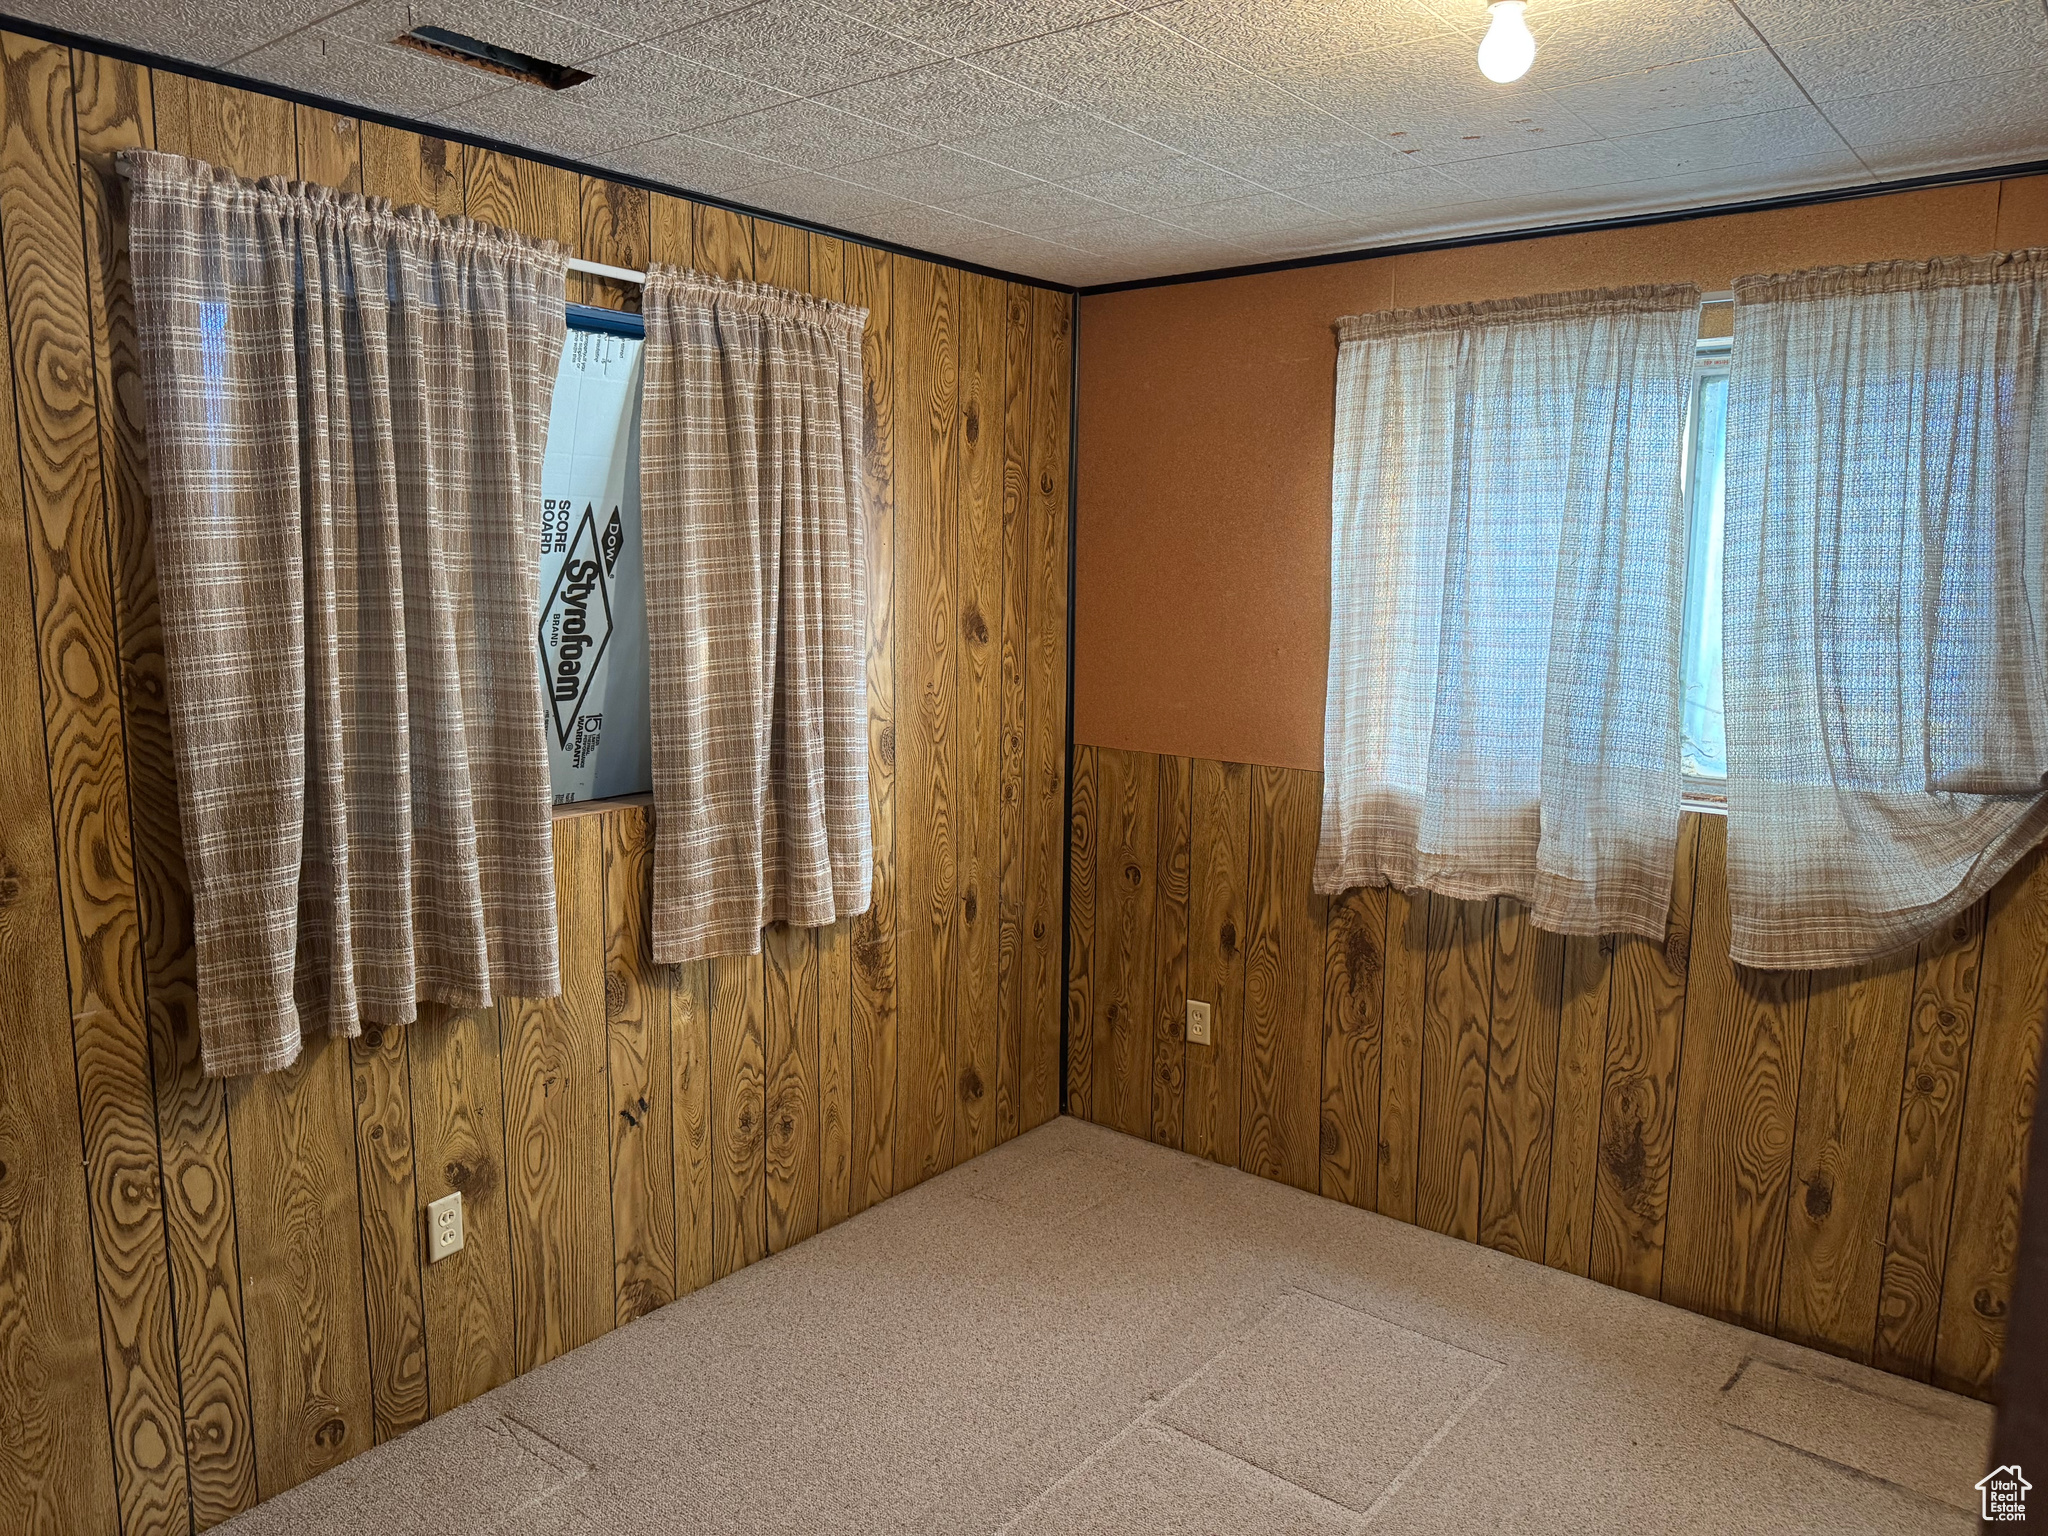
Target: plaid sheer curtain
column 347, row 408
column 1507, row 582
column 1886, row 606
column 751, row 442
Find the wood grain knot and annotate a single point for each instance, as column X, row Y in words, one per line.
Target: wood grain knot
column 969, row 903
column 3, row 1172
column 1331, row 1141
column 971, row 1087
column 1625, row 1154
column 331, row 1433
column 373, row 1036
column 1678, row 950
column 1133, row 875
column 1949, row 1021
column 614, row 995
column 885, row 746
column 1226, row 940
column 1038, row 928
column 10, row 884
column 973, row 625
column 1820, row 1197
column 1924, row 1083
column 1988, row 1304
column 1608, row 944
column 974, row 421
column 1361, row 959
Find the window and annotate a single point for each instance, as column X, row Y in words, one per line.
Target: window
column 593, row 604
column 1704, row 748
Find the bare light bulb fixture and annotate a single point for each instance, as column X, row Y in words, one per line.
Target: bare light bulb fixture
column 1509, row 48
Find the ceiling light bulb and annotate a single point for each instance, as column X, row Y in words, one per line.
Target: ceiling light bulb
column 1509, row 48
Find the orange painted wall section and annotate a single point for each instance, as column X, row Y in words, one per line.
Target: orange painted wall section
column 1207, row 411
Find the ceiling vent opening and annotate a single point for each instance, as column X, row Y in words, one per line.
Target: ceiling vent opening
column 489, row 57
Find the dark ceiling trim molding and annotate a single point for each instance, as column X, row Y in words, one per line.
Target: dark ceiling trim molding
column 1590, row 226
column 216, row 76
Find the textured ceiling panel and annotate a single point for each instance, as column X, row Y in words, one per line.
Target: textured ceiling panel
column 1102, row 140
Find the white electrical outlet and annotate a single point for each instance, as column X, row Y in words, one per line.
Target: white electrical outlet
column 444, row 1226
column 1198, row 1024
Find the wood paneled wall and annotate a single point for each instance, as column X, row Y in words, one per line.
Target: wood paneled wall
column 1832, row 1157
column 210, row 1292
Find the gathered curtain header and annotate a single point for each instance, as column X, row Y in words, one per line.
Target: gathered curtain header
column 737, row 298
column 1576, row 304
column 1945, row 272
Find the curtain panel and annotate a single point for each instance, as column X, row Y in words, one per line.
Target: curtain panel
column 1507, row 584
column 1886, row 600
column 751, row 448
column 347, row 406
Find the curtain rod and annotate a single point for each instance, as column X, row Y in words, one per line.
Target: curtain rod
column 599, row 269
column 1726, row 296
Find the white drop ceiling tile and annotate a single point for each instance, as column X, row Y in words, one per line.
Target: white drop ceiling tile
column 1761, row 141
column 197, row 31
column 1929, row 50
column 819, row 198
column 1785, row 21
column 641, row 20
column 645, row 84
column 1246, row 220
column 1437, row 72
column 921, row 227
column 934, row 171
column 955, row 27
column 1036, row 207
column 1673, row 95
column 1171, row 181
column 550, row 120
column 504, row 23
column 1133, row 235
column 808, row 134
column 1267, row 36
column 1009, row 251
column 1566, row 168
column 1385, row 197
column 1122, row 68
column 691, row 164
column 801, row 48
column 1997, row 121
column 397, row 80
column 947, row 100
column 1346, row 159
column 1471, row 131
column 1259, row 137
column 1613, row 37
column 1062, row 146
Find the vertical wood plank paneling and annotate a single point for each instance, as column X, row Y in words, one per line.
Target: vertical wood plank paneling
column 1010, row 640
column 724, row 242
column 835, row 946
column 1639, row 1092
column 1456, row 1018
column 1081, row 939
column 638, row 1072
column 459, row 1144
column 1126, row 896
column 1738, row 1102
column 556, row 1109
column 115, row 109
column 1575, row 1107
column 977, row 689
column 537, row 200
column 412, row 168
column 1943, row 1025
column 2012, row 1003
column 1219, row 885
column 612, row 226
column 49, row 317
column 330, row 149
column 739, row 1176
column 1170, row 949
column 1354, row 973
column 689, row 1013
column 1045, row 701
column 1407, row 983
column 250, row 134
column 870, row 283
column 927, row 739
column 782, row 256
column 56, row 1457
column 1855, row 1059
column 790, row 973
column 1521, row 1079
column 1284, row 956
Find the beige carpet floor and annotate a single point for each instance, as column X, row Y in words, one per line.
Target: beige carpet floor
column 1081, row 1332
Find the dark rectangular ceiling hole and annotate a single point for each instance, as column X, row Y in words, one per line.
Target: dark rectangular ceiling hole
column 478, row 54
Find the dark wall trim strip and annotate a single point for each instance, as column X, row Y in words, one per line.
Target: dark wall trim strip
column 1590, row 226
column 1067, row 803
column 150, row 60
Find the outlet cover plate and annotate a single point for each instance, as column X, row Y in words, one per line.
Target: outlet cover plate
column 1198, row 1024
column 444, row 1227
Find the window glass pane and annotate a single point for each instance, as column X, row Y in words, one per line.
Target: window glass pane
column 593, row 606
column 1705, row 750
